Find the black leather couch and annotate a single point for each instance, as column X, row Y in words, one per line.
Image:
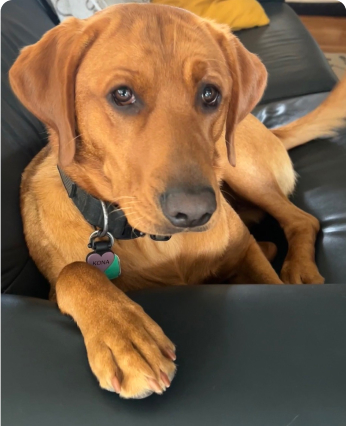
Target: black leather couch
column 247, row 355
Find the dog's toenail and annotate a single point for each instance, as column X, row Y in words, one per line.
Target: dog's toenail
column 153, row 384
column 165, row 379
column 116, row 385
column 171, row 354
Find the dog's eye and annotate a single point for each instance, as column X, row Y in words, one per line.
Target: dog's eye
column 123, row 96
column 210, row 96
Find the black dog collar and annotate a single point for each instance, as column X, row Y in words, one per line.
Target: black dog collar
column 91, row 209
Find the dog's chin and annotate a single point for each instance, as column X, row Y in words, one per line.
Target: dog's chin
column 202, row 228
column 165, row 231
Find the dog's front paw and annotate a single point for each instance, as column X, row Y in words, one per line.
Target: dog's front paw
column 129, row 353
column 298, row 271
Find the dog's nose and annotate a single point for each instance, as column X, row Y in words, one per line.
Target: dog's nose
column 188, row 208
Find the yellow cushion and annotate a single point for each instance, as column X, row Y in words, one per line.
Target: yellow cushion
column 238, row 14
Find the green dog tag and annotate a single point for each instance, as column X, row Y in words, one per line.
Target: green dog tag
column 114, row 270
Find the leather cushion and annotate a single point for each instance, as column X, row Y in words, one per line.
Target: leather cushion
column 23, row 22
column 295, row 63
column 320, row 190
column 247, row 355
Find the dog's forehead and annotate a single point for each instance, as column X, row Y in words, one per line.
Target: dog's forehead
column 147, row 46
column 146, row 31
column 132, row 17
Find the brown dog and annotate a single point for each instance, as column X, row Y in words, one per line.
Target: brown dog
column 138, row 101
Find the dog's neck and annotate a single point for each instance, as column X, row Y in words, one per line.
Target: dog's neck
column 92, row 211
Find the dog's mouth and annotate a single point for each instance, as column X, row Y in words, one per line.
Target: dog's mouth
column 162, row 232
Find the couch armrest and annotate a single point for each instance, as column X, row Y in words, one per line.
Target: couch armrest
column 247, row 355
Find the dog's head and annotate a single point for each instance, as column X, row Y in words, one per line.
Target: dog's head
column 135, row 99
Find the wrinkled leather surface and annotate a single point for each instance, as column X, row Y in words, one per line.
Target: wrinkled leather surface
column 320, row 188
column 295, row 63
column 23, row 22
column 247, row 356
column 278, row 113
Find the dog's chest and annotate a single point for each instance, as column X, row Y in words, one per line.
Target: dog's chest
column 184, row 259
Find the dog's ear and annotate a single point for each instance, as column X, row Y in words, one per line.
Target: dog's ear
column 43, row 78
column 248, row 81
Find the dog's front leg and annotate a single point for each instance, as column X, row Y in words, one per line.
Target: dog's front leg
column 127, row 351
column 253, row 266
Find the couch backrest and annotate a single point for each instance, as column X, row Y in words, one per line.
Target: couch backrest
column 23, row 23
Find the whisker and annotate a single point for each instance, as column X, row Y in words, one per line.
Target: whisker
column 122, row 216
column 125, row 196
column 226, row 192
column 119, row 210
column 76, row 137
column 127, row 205
column 137, row 223
column 130, row 202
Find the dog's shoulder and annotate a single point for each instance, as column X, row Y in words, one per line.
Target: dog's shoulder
column 33, row 167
